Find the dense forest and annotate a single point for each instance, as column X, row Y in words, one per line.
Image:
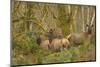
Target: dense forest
column 32, row 23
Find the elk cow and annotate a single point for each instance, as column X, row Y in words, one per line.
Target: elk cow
column 52, row 43
column 56, row 44
column 78, row 38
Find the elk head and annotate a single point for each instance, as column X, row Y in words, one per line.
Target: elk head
column 89, row 28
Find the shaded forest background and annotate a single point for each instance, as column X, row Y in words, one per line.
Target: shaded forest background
column 32, row 19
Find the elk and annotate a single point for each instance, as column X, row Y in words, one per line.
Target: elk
column 44, row 43
column 56, row 44
column 78, row 38
column 56, row 41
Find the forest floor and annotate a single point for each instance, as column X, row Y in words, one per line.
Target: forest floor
column 42, row 56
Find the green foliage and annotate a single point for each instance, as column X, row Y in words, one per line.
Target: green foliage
column 63, row 56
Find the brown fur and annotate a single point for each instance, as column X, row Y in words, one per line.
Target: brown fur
column 65, row 42
column 59, row 44
column 78, row 38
